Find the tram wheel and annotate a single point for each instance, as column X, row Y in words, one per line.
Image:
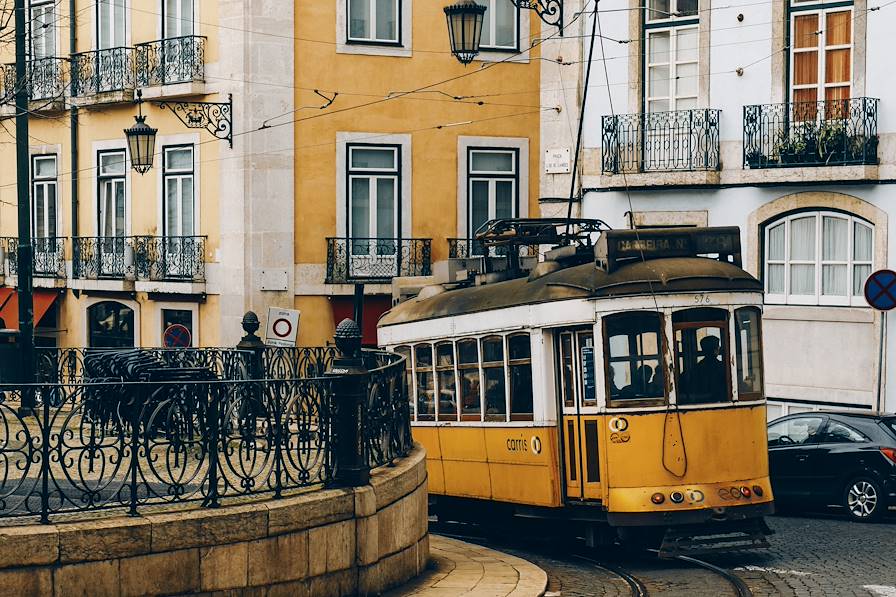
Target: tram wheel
column 864, row 499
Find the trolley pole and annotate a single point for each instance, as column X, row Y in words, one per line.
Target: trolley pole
column 25, row 250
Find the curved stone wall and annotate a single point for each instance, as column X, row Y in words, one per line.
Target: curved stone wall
column 333, row 542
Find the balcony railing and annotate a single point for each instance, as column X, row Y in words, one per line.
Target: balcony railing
column 156, row 258
column 48, row 260
column 46, row 80
column 467, row 248
column 169, row 61
column 170, row 258
column 684, row 140
column 101, row 71
column 826, row 133
column 377, row 259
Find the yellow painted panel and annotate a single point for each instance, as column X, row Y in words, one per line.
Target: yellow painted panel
column 697, row 496
column 708, row 446
column 521, row 445
column 467, row 479
column 525, row 484
column 429, row 438
column 462, row 443
column 436, row 476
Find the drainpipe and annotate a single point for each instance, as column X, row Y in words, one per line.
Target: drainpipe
column 73, row 116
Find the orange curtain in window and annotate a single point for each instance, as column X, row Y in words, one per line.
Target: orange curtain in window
column 838, row 60
column 9, row 306
column 805, row 58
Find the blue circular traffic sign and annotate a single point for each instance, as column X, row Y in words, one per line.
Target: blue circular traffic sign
column 880, row 290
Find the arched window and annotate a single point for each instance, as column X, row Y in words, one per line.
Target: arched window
column 817, row 258
column 111, row 325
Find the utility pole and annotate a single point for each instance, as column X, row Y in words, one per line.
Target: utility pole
column 25, row 250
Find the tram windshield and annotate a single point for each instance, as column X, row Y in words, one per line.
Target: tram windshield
column 701, row 355
column 633, row 349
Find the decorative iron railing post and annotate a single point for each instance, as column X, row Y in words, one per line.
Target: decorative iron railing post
column 141, row 400
column 45, row 450
column 212, row 393
column 350, row 387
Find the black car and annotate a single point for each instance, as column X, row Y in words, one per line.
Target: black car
column 828, row 458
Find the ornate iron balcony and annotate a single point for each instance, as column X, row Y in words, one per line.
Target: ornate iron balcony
column 101, row 71
column 168, row 61
column 377, row 259
column 826, row 133
column 467, row 248
column 170, row 258
column 48, row 260
column 46, row 80
column 109, row 257
column 683, row 140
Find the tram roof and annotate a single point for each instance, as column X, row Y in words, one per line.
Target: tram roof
column 659, row 276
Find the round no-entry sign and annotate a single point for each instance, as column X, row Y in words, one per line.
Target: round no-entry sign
column 177, row 336
column 880, row 290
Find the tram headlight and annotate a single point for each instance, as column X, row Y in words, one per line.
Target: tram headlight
column 735, row 492
column 657, row 498
column 745, row 491
column 677, row 497
column 757, row 491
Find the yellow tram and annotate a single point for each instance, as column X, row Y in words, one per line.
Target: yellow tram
column 616, row 384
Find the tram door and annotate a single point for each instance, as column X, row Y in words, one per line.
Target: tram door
column 578, row 404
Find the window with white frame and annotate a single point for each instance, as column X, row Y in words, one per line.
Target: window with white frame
column 43, row 28
column 821, row 55
column 44, row 195
column 671, row 31
column 374, row 21
column 818, row 258
column 111, row 24
column 112, row 193
column 500, row 25
column 178, row 18
column 374, row 180
column 179, row 195
column 492, row 186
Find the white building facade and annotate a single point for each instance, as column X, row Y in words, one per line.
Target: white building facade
column 778, row 117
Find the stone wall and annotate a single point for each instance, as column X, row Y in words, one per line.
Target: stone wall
column 332, row 542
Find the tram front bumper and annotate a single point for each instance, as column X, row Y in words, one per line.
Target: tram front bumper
column 682, row 517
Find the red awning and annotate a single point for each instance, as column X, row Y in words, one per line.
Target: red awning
column 9, row 306
column 374, row 307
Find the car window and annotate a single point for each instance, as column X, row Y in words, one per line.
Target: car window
column 891, row 425
column 839, row 433
column 798, row 431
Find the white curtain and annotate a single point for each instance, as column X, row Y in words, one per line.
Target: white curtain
column 835, row 247
column 385, row 19
column 802, row 248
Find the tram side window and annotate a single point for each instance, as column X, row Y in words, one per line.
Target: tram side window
column 748, row 342
column 567, row 377
column 425, row 382
column 634, row 360
column 701, row 354
column 520, row 355
column 405, row 351
column 447, row 385
column 468, row 370
column 493, row 378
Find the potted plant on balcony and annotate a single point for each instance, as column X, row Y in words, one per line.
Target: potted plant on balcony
column 862, row 149
column 833, row 141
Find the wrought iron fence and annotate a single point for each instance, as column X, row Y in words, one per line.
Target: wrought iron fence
column 48, row 260
column 172, row 60
column 175, row 258
column 682, row 140
column 134, row 428
column 825, row 133
column 101, row 71
column 377, row 259
column 467, row 248
column 103, row 257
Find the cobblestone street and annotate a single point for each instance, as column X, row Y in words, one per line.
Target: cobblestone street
column 811, row 555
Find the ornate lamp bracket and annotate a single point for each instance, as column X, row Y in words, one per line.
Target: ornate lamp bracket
column 215, row 117
column 550, row 11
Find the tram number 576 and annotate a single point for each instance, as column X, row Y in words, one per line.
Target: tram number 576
column 702, row 299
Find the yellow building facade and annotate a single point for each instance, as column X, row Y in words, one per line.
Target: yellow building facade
column 299, row 151
column 412, row 155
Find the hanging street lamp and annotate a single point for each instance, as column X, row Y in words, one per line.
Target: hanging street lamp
column 465, row 29
column 141, row 140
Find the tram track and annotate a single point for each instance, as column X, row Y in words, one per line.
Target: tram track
column 639, row 582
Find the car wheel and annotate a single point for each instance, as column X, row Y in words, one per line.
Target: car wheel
column 864, row 499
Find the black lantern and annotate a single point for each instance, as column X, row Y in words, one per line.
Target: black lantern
column 465, row 29
column 141, row 140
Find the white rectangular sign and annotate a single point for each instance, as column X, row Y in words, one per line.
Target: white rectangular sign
column 556, row 160
column 283, row 327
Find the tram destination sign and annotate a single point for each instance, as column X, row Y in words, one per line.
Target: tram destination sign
column 620, row 246
column 880, row 290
